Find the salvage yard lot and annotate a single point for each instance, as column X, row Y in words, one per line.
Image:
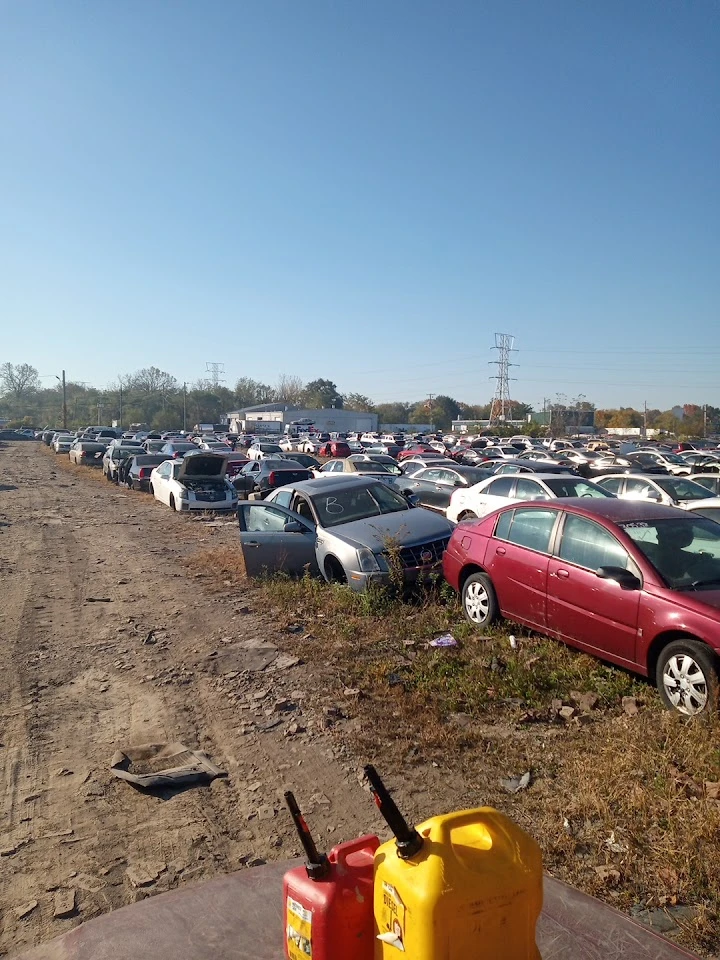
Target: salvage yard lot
column 123, row 623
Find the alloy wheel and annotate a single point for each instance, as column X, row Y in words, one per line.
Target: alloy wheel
column 685, row 684
column 477, row 602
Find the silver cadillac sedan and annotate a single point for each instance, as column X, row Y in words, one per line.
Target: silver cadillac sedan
column 348, row 529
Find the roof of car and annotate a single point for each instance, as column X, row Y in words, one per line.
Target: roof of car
column 335, row 480
column 611, row 508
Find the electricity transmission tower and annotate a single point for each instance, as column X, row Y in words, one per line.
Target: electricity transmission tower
column 215, row 370
column 500, row 407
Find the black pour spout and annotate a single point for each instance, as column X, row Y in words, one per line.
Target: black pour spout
column 318, row 865
column 408, row 840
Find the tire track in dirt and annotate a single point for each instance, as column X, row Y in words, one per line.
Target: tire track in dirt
column 79, row 680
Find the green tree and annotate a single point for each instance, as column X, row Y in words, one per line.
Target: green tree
column 322, row 394
column 359, row 402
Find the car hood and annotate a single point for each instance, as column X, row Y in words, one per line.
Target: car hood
column 404, row 528
column 203, row 465
column 698, row 600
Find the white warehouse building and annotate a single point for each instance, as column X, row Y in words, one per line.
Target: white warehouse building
column 275, row 417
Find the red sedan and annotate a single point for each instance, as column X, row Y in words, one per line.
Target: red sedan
column 635, row 583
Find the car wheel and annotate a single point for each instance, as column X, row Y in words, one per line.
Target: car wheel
column 468, row 515
column 687, row 677
column 172, row 502
column 479, row 602
column 151, row 490
column 334, row 571
column 108, row 477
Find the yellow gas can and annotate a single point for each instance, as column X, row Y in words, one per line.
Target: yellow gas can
column 472, row 890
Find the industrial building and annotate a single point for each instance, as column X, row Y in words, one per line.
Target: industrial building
column 275, row 417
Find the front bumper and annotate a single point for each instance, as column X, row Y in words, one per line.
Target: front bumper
column 359, row 581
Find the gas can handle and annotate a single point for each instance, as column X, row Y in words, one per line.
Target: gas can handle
column 340, row 853
column 485, row 815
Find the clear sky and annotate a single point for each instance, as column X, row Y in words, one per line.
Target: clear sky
column 365, row 190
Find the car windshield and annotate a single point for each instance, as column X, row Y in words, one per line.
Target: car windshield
column 681, row 489
column 674, row 458
column 685, row 551
column 570, row 487
column 357, row 503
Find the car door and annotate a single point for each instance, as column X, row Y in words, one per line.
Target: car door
column 587, row 611
column 425, row 486
column 275, row 540
column 496, row 494
column 517, row 561
column 161, row 482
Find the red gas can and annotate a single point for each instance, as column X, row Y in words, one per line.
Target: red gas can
column 328, row 903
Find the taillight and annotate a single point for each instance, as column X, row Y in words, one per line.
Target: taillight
column 143, row 473
column 271, row 478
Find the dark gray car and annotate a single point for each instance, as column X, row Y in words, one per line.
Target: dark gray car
column 348, row 529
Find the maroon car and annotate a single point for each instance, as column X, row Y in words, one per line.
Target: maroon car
column 334, row 448
column 631, row 582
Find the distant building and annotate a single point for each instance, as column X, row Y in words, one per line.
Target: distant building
column 275, row 417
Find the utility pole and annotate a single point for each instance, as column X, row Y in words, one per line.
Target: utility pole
column 644, row 419
column 184, row 406
column 121, row 403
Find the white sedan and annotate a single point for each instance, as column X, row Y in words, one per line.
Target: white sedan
column 672, row 491
column 471, row 502
column 309, row 446
column 197, row 482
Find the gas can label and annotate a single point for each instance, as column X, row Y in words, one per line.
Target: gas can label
column 393, row 918
column 299, row 931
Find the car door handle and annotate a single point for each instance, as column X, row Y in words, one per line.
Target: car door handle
column 251, row 543
column 563, row 574
column 501, row 551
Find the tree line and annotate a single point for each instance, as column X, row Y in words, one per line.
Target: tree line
column 157, row 398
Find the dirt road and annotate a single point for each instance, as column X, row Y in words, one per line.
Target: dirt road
column 87, row 571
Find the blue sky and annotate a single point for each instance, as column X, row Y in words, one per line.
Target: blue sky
column 366, row 192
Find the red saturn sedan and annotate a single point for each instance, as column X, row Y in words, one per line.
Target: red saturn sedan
column 631, row 582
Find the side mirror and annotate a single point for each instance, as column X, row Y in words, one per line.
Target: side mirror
column 627, row 580
column 412, row 498
column 292, row 526
column 458, row 482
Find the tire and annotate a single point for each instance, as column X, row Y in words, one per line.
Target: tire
column 686, row 676
column 151, row 491
column 172, row 503
column 334, row 571
column 468, row 515
column 478, row 599
column 108, row 477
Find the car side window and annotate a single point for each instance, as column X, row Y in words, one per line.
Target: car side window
column 263, row 518
column 433, row 475
column 641, row 488
column 501, row 487
column 529, row 490
column 527, row 528
column 283, row 498
column 612, row 484
column 587, row 544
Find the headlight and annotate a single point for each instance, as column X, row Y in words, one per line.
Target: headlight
column 367, row 560
column 183, row 494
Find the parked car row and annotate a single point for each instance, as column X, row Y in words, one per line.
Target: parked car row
column 616, row 553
